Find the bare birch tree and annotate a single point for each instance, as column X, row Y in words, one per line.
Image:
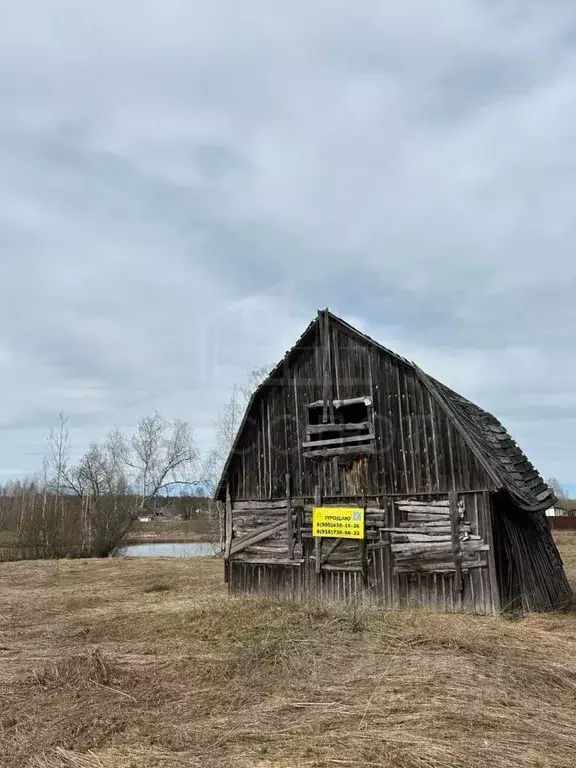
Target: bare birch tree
column 228, row 422
column 86, row 508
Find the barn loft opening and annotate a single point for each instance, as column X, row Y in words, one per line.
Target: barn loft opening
column 339, row 424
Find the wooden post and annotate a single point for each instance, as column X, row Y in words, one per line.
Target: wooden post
column 289, row 526
column 456, row 551
column 318, row 539
column 336, row 474
column 394, row 518
column 489, row 537
column 327, row 405
column 228, row 521
column 363, row 560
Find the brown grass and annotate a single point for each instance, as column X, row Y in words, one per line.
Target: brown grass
column 140, row 663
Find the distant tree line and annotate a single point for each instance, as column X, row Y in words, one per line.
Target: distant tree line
column 86, row 508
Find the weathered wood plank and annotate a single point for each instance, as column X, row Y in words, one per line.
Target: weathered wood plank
column 399, row 538
column 315, row 429
column 323, row 321
column 273, row 551
column 339, row 403
column 487, row 519
column 289, row 519
column 427, row 517
column 257, row 505
column 432, row 549
column 439, row 567
column 456, row 549
column 259, row 518
column 337, row 441
column 418, row 503
column 347, row 450
column 259, row 535
column 244, row 558
column 317, row 539
column 432, row 525
column 326, row 554
column 423, row 530
column 424, row 510
column 370, row 535
column 228, row 522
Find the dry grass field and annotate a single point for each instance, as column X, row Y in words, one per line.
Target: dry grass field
column 147, row 663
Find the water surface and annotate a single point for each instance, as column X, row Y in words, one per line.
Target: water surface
column 172, row 549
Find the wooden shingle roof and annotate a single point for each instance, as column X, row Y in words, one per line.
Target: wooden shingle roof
column 502, row 453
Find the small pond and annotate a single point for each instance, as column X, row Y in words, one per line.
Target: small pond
column 172, row 549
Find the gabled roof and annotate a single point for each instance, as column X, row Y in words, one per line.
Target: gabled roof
column 497, row 452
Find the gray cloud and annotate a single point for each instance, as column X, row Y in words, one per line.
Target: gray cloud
column 183, row 186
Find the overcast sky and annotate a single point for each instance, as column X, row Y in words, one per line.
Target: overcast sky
column 183, row 185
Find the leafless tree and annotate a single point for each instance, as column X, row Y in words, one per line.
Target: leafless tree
column 226, row 428
column 86, row 508
column 559, row 491
column 228, row 422
column 160, row 454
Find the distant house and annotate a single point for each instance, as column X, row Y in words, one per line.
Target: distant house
column 555, row 512
column 355, row 476
column 562, row 507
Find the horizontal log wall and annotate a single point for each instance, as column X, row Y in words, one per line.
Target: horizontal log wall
column 407, row 558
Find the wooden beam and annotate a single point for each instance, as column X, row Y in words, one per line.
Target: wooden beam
column 414, row 503
column 421, row 509
column 435, row 548
column 314, row 429
column 318, row 539
column 255, row 536
column 289, row 525
column 342, row 403
column 335, row 474
column 455, row 535
column 346, row 450
column 494, row 589
column 255, row 506
column 414, row 518
column 266, row 561
column 325, row 341
column 439, row 567
column 336, row 441
column 362, row 544
column 326, row 554
column 418, row 538
column 228, row 521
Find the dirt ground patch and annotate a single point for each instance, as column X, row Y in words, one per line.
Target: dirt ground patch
column 140, row 663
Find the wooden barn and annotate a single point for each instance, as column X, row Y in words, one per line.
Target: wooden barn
column 356, row 477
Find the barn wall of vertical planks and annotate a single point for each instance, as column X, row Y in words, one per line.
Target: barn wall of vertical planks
column 455, row 513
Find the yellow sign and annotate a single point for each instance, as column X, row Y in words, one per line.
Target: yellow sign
column 338, row 522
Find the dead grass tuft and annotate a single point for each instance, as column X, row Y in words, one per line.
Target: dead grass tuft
column 157, row 588
column 78, row 671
